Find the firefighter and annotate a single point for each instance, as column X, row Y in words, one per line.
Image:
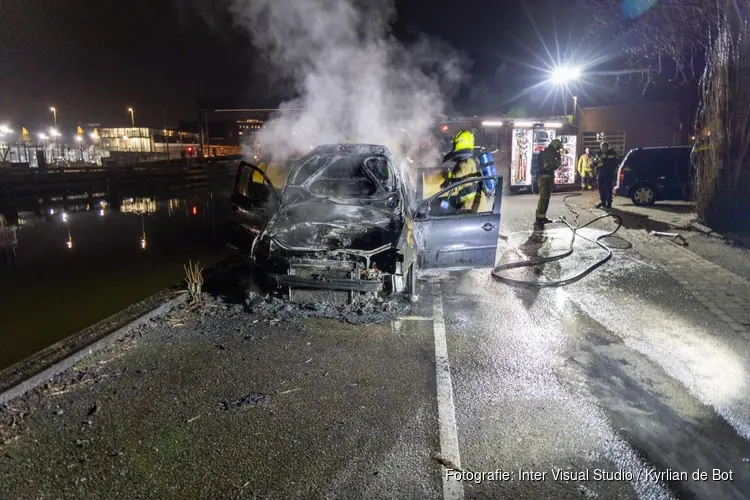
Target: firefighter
column 459, row 163
column 551, row 159
column 606, row 164
column 586, row 170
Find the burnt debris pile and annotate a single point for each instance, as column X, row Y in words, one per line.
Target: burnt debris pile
column 362, row 312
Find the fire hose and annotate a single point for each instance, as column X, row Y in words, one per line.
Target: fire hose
column 575, row 227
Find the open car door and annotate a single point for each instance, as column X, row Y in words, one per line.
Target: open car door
column 463, row 239
column 254, row 201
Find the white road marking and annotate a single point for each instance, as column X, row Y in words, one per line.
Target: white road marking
column 452, row 488
column 415, row 318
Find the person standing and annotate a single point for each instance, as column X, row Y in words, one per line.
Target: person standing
column 459, row 164
column 606, row 163
column 586, row 170
column 551, row 160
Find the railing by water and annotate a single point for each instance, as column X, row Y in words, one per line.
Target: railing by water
column 23, row 186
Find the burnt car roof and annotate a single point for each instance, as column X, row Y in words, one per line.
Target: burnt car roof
column 353, row 149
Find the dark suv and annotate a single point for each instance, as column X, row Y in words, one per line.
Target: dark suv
column 647, row 175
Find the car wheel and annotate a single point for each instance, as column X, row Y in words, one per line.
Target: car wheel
column 643, row 195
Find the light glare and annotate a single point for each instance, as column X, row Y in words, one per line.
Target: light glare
column 492, row 124
column 565, row 74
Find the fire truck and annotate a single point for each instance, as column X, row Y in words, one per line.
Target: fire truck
column 516, row 144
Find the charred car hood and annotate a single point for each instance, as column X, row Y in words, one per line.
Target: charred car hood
column 331, row 226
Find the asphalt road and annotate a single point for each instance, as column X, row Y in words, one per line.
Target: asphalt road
column 621, row 381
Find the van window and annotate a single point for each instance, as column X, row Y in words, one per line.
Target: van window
column 630, row 158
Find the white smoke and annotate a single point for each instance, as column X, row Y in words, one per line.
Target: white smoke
column 355, row 81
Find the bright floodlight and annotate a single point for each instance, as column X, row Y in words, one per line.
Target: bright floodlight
column 42, row 136
column 79, row 138
column 492, row 123
column 565, row 74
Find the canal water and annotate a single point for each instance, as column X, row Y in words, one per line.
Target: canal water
column 64, row 267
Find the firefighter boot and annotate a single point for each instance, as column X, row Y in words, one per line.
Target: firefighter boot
column 541, row 221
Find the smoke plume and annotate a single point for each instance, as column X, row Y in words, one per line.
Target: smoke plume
column 355, row 82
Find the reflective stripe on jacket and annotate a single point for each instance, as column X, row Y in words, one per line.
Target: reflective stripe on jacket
column 467, row 192
column 607, row 164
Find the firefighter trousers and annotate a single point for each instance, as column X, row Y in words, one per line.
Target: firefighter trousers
column 587, row 180
column 546, row 183
column 606, row 186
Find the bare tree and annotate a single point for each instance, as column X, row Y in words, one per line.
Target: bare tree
column 705, row 41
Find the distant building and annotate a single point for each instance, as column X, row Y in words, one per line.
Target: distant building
column 220, row 132
column 239, row 119
column 146, row 144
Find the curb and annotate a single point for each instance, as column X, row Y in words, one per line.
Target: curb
column 41, row 367
column 60, row 366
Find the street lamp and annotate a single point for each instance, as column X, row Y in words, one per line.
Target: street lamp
column 54, row 115
column 563, row 75
column 132, row 116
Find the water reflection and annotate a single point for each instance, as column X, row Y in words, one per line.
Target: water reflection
column 138, row 205
column 86, row 259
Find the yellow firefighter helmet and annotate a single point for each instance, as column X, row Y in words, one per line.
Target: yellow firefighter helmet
column 463, row 140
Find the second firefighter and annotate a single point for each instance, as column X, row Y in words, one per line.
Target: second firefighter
column 551, row 160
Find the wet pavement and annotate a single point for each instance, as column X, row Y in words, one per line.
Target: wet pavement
column 79, row 262
column 622, row 382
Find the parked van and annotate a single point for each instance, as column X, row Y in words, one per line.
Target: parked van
column 648, row 175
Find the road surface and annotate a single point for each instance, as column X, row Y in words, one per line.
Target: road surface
column 632, row 383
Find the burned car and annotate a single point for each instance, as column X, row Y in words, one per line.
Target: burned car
column 351, row 219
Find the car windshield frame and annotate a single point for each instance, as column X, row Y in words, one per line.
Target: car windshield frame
column 384, row 187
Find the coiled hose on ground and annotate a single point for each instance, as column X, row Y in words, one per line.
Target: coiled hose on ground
column 543, row 260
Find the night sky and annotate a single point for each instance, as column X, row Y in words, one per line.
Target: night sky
column 92, row 59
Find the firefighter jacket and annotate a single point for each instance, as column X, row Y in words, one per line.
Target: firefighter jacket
column 551, row 161
column 460, row 165
column 607, row 163
column 585, row 164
